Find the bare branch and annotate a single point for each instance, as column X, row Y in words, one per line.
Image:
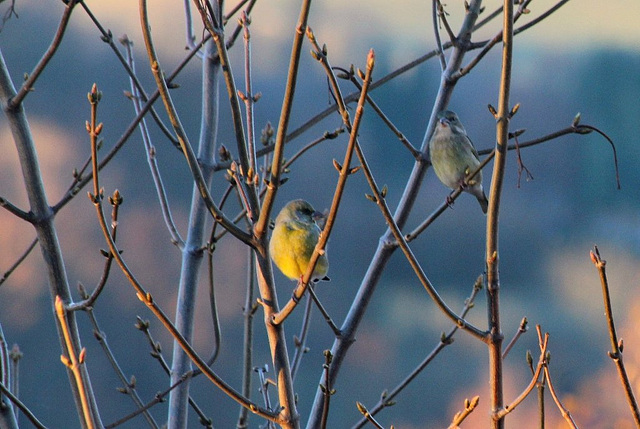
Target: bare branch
column 27, row 86
column 436, row 10
column 283, row 124
column 469, row 406
column 22, row 407
column 367, row 415
column 6, row 204
column 147, row 298
column 493, row 278
column 387, row 398
column 74, row 360
column 345, row 171
column 542, row 364
column 151, row 150
column 107, row 37
column 187, row 149
column 616, row 345
column 522, row 328
column 19, row 261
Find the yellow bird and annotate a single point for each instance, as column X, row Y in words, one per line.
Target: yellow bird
column 294, row 239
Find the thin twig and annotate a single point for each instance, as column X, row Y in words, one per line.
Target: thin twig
column 74, row 361
column 264, row 386
column 300, row 341
column 151, row 150
column 17, row 263
column 323, row 311
column 613, row 148
column 541, row 409
column 129, row 385
column 415, row 153
column 148, row 300
column 522, row 328
column 542, row 364
column 158, row 398
column 188, row 19
column 187, row 149
column 6, row 204
column 11, row 11
column 15, row 355
column 213, row 306
column 156, row 353
column 616, row 345
column 565, row 413
column 88, row 300
column 368, row 416
column 5, row 367
column 325, row 136
column 345, row 171
column 386, row 399
column 521, row 166
column 435, row 9
column 25, row 410
column 248, row 97
column 27, row 86
column 326, row 388
column 443, row 18
column 107, row 37
column 469, row 406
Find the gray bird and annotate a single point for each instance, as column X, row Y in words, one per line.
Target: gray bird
column 453, row 157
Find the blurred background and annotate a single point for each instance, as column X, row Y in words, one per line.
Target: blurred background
column 584, row 58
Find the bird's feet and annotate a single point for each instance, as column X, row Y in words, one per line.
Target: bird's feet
column 463, row 183
column 450, row 201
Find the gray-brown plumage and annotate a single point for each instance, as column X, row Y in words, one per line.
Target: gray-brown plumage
column 453, row 157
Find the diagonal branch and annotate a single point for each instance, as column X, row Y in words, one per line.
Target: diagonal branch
column 540, row 367
column 16, row 101
column 383, row 252
column 616, row 345
column 148, row 300
column 345, row 171
column 283, row 124
column 445, row 340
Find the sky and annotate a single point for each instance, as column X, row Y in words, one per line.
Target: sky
column 579, row 25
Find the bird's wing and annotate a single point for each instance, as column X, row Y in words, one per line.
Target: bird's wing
column 473, row 149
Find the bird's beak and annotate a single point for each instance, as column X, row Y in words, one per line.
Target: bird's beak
column 444, row 122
